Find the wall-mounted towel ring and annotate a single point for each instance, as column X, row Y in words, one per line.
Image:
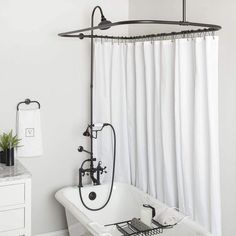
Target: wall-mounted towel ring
column 27, row 102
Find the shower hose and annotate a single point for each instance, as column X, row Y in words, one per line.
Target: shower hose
column 112, row 179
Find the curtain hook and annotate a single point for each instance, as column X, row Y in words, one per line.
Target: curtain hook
column 152, row 40
column 189, row 37
column 176, row 37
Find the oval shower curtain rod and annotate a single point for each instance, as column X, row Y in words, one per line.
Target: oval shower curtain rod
column 206, row 28
column 105, row 24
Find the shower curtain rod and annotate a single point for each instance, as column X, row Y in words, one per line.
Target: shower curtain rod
column 105, row 24
column 148, row 36
column 79, row 33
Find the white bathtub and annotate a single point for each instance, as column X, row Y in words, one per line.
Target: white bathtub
column 124, row 205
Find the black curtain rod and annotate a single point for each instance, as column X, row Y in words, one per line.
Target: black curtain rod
column 106, row 24
column 206, row 27
column 186, row 32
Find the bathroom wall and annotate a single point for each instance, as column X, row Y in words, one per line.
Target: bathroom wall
column 35, row 63
column 222, row 13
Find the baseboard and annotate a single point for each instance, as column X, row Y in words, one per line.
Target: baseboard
column 56, row 233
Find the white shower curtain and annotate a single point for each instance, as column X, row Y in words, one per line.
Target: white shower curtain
column 162, row 98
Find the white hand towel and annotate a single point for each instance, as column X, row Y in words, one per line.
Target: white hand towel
column 29, row 131
column 169, row 217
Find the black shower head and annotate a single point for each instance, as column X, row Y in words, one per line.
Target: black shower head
column 86, row 132
column 103, row 25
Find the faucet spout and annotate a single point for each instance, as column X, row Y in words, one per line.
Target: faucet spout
column 99, row 170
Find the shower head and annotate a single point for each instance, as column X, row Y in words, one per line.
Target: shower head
column 86, row 132
column 103, row 25
column 93, row 129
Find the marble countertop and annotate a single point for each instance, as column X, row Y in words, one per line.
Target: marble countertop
column 16, row 172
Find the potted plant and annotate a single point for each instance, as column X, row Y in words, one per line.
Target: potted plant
column 4, row 143
column 8, row 143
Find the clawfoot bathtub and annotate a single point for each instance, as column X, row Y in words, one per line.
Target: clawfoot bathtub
column 124, row 204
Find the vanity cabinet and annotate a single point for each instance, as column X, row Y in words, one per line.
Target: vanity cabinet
column 15, row 201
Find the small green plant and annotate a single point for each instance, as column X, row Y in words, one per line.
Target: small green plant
column 8, row 141
column 4, row 141
column 13, row 140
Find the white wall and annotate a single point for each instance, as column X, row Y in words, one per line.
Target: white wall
column 222, row 13
column 35, row 63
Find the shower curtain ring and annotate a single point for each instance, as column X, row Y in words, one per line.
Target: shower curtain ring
column 192, row 36
column 152, row 40
column 213, row 34
column 187, row 37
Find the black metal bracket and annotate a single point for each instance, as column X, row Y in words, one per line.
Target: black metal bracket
column 27, row 102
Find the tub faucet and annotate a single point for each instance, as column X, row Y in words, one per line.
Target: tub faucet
column 92, row 132
column 91, row 171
